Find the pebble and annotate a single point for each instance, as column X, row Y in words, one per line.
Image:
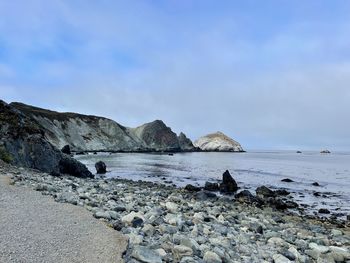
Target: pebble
column 211, row 257
column 146, row 255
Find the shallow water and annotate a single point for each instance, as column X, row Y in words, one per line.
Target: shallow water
column 251, row 169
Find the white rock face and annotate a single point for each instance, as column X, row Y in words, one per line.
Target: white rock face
column 218, row 142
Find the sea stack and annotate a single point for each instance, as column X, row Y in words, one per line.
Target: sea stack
column 218, row 142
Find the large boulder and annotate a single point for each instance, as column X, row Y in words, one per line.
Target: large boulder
column 211, row 186
column 71, row 166
column 25, row 143
column 228, row 184
column 101, row 167
column 265, row 192
column 218, row 142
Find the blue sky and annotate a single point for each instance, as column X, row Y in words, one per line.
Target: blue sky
column 270, row 74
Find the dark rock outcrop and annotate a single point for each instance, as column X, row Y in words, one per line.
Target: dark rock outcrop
column 71, row 166
column 24, row 141
column 228, row 184
column 247, row 197
column 264, row 192
column 287, row 180
column 192, row 188
column 211, row 186
column 101, row 167
column 66, row 149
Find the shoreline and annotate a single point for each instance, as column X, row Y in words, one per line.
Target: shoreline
column 168, row 224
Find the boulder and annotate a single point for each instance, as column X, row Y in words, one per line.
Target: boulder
column 211, row 186
column 228, row 184
column 66, row 149
column 264, row 192
column 101, row 167
column 323, row 211
column 247, row 197
column 192, row 188
column 71, row 166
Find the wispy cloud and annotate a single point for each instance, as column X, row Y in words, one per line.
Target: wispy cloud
column 266, row 74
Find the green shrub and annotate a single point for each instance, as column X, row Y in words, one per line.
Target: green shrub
column 5, row 156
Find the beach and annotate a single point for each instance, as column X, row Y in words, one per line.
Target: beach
column 168, row 224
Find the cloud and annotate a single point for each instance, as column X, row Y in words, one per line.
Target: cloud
column 277, row 82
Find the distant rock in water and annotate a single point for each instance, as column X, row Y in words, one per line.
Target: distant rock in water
column 91, row 133
column 101, row 167
column 325, row 151
column 218, row 142
column 25, row 143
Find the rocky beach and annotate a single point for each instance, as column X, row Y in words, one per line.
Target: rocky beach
column 168, row 224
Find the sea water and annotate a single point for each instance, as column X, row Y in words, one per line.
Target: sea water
column 250, row 170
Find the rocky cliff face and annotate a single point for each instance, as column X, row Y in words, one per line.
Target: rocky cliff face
column 218, row 142
column 91, row 133
column 185, row 143
column 24, row 143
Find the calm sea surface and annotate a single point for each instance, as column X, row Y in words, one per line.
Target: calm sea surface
column 251, row 169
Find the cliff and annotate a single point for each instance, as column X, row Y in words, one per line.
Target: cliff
column 22, row 143
column 92, row 133
column 218, row 142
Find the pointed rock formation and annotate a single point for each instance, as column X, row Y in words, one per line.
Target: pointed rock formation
column 185, row 143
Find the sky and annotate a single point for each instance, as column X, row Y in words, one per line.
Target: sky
column 272, row 74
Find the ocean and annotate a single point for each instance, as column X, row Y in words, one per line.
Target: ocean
column 250, row 170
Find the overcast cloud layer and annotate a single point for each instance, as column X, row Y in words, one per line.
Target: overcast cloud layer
column 270, row 74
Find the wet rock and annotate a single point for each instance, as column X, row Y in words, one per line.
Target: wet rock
column 315, row 184
column 101, row 167
column 324, row 211
column 247, row 197
column 228, row 184
column 192, row 188
column 66, row 149
column 144, row 254
column 71, row 166
column 264, row 192
column 287, row 180
column 211, row 186
column 282, row 192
